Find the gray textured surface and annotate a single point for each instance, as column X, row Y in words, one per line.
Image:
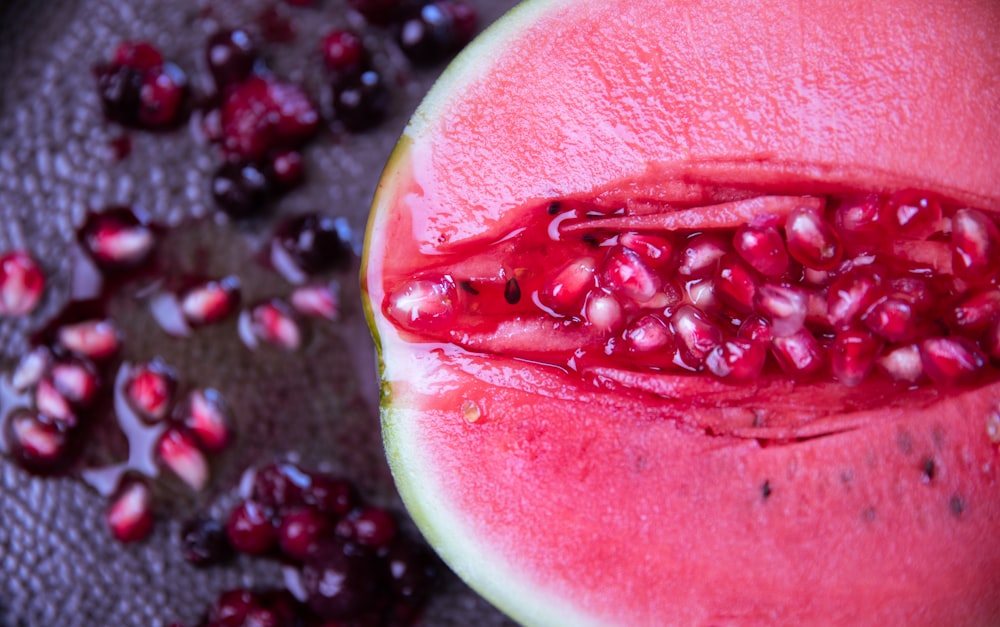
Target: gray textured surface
column 58, row 565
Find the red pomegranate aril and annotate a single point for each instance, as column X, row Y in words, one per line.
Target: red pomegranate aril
column 93, row 339
column 799, row 354
column 850, row 296
column 204, row 542
column 180, row 453
column 860, row 216
column 565, row 292
column 756, row 329
column 315, row 242
column 763, row 248
column 784, row 306
column 914, row 214
column 36, row 443
column 150, row 390
column 902, row 363
column 361, row 101
column 31, row 368
column 811, row 241
column 426, row 303
column 281, row 485
column 624, row 273
column 340, row 580
column 604, row 311
column 343, row 51
column 162, row 97
column 735, row 285
column 271, row 322
column 657, row 252
column 701, row 254
column 230, row 55
column 701, row 294
column 317, row 301
column 262, row 114
column 139, row 55
column 117, row 238
column 973, row 312
column 330, row 495
column 210, row 302
column 251, row 529
column 208, row 419
column 737, row 360
column 300, row 532
column 287, row 169
column 21, row 283
column 241, row 189
column 76, row 380
column 852, row 356
column 370, row 526
column 53, row 405
column 918, row 291
column 696, row 335
column 975, row 242
column 130, row 514
column 231, row 608
column 951, row 360
column 892, row 318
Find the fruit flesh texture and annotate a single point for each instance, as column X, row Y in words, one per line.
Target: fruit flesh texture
column 565, row 501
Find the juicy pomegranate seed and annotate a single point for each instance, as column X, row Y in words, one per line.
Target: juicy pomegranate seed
column 204, row 542
column 37, row 444
column 649, row 334
column 270, row 322
column 604, row 311
column 21, row 284
column 426, row 303
column 340, row 581
column 231, row 608
column 150, row 390
column 251, row 530
column 860, row 217
column 852, row 356
column 975, row 242
column 917, row 290
column 799, row 354
column 139, row 55
column 892, row 318
column 951, row 360
column 701, row 294
column 180, row 453
column 785, row 306
column 565, row 292
column 162, row 97
column 330, row 495
column 75, row 380
column 700, row 255
column 811, row 241
column 735, row 285
column 287, row 169
column 695, row 335
column 756, row 329
column 208, row 420
column 914, row 213
column 116, row 238
column 903, row 363
column 625, row 273
column 130, row 515
column 93, row 339
column 281, row 485
column 373, row 527
column 762, row 248
column 318, row 301
column 657, row 252
column 53, row 405
column 851, row 296
column 343, row 52
column 973, row 313
column 230, row 55
column 300, row 532
column 31, row 368
column 737, row 360
column 211, row 302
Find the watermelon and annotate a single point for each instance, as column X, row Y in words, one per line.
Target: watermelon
column 672, row 306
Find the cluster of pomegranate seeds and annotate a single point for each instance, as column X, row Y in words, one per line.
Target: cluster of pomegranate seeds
column 350, row 560
column 139, row 89
column 844, row 287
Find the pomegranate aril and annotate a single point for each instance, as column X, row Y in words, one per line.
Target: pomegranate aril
column 755, row 328
column 624, row 273
column 180, row 453
column 701, row 254
column 852, row 356
column 373, row 527
column 210, row 302
column 204, row 542
column 340, row 580
column 737, row 360
column 150, row 390
column 784, row 306
column 850, row 296
column 902, row 363
column 914, row 214
column 361, row 102
column 565, row 292
column 118, row 87
column 300, row 532
column 951, row 360
column 162, row 97
column 139, row 55
column 231, row 608
column 118, row 238
column 315, row 242
column 318, row 301
column 36, row 443
column 130, row 514
column 762, row 248
column 286, row 169
column 657, row 252
column 427, row 303
column 975, row 242
column 735, row 285
column 230, row 56
column 21, row 284
column 892, row 318
column 273, row 323
column 261, row 114
column 860, row 216
column 207, row 418
column 799, row 354
column 93, row 339
column 918, row 291
column 241, row 189
column 696, row 335
column 973, row 312
column 433, row 34
column 76, row 380
column 53, row 405
column 811, row 241
column 343, row 52
column 331, row 495
column 604, row 311
column 31, row 368
column 251, row 529
column 281, row 485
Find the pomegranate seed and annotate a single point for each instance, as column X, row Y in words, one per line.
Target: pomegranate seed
column 182, row 456
column 701, row 293
column 117, row 238
column 975, row 242
column 31, row 368
column 951, row 360
column 852, row 356
column 271, row 322
column 700, row 255
column 210, row 302
column 53, row 405
column 251, row 530
column 260, row 114
column 287, row 168
column 785, row 306
column 94, row 339
column 208, row 420
column 737, row 360
column 231, row 608
column 799, row 354
column 851, row 295
column 914, row 213
column 425, row 303
column 655, row 251
column 130, row 515
column 162, row 97
column 811, row 241
column 860, row 217
column 139, row 55
column 230, row 55
column 150, row 390
column 695, row 334
column 318, row 301
column 604, row 311
column 903, row 363
column 756, row 329
column 300, row 532
column 892, row 318
column 361, row 102
column 649, row 334
column 373, row 527
column 281, row 485
column 762, row 248
column 204, row 542
column 340, row 580
column 735, row 284
column 916, row 290
column 565, row 292
column 973, row 312
column 625, row 273
column 36, row 444
column 21, row 284
column 330, row 495
column 76, row 380
column 343, row 52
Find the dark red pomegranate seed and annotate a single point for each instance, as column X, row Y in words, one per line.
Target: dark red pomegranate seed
column 737, row 360
column 434, row 33
column 340, row 580
column 210, row 302
column 811, row 241
column 919, row 291
column 361, row 102
column 800, row 355
column 973, row 312
column 130, row 514
column 231, row 608
column 975, row 242
column 260, row 114
column 162, row 97
column 343, row 52
column 281, row 485
column 204, row 542
column 951, row 360
column 301, row 531
column 381, row 12
column 851, row 296
column 208, row 419
column 892, row 318
column 180, row 453
column 92, row 339
column 315, row 242
column 139, row 55
column 21, row 283
column 735, row 285
column 763, row 248
column 624, row 273
column 287, row 169
column 655, row 251
column 852, row 356
column 242, row 189
column 859, row 218
column 230, row 55
column 35, row 443
column 696, row 335
column 565, row 292
column 331, row 495
column 53, row 405
column 914, row 213
column 150, row 390
column 251, row 529
column 373, row 527
column 757, row 329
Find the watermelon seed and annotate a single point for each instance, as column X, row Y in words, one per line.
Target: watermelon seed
column 928, row 470
column 554, row 208
column 466, row 286
column 765, row 490
column 957, row 505
column 512, row 291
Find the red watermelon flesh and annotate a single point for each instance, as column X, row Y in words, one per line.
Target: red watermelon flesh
column 574, row 480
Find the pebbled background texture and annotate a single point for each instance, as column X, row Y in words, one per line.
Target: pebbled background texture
column 57, row 563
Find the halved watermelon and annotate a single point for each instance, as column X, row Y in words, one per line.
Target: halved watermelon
column 572, row 481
